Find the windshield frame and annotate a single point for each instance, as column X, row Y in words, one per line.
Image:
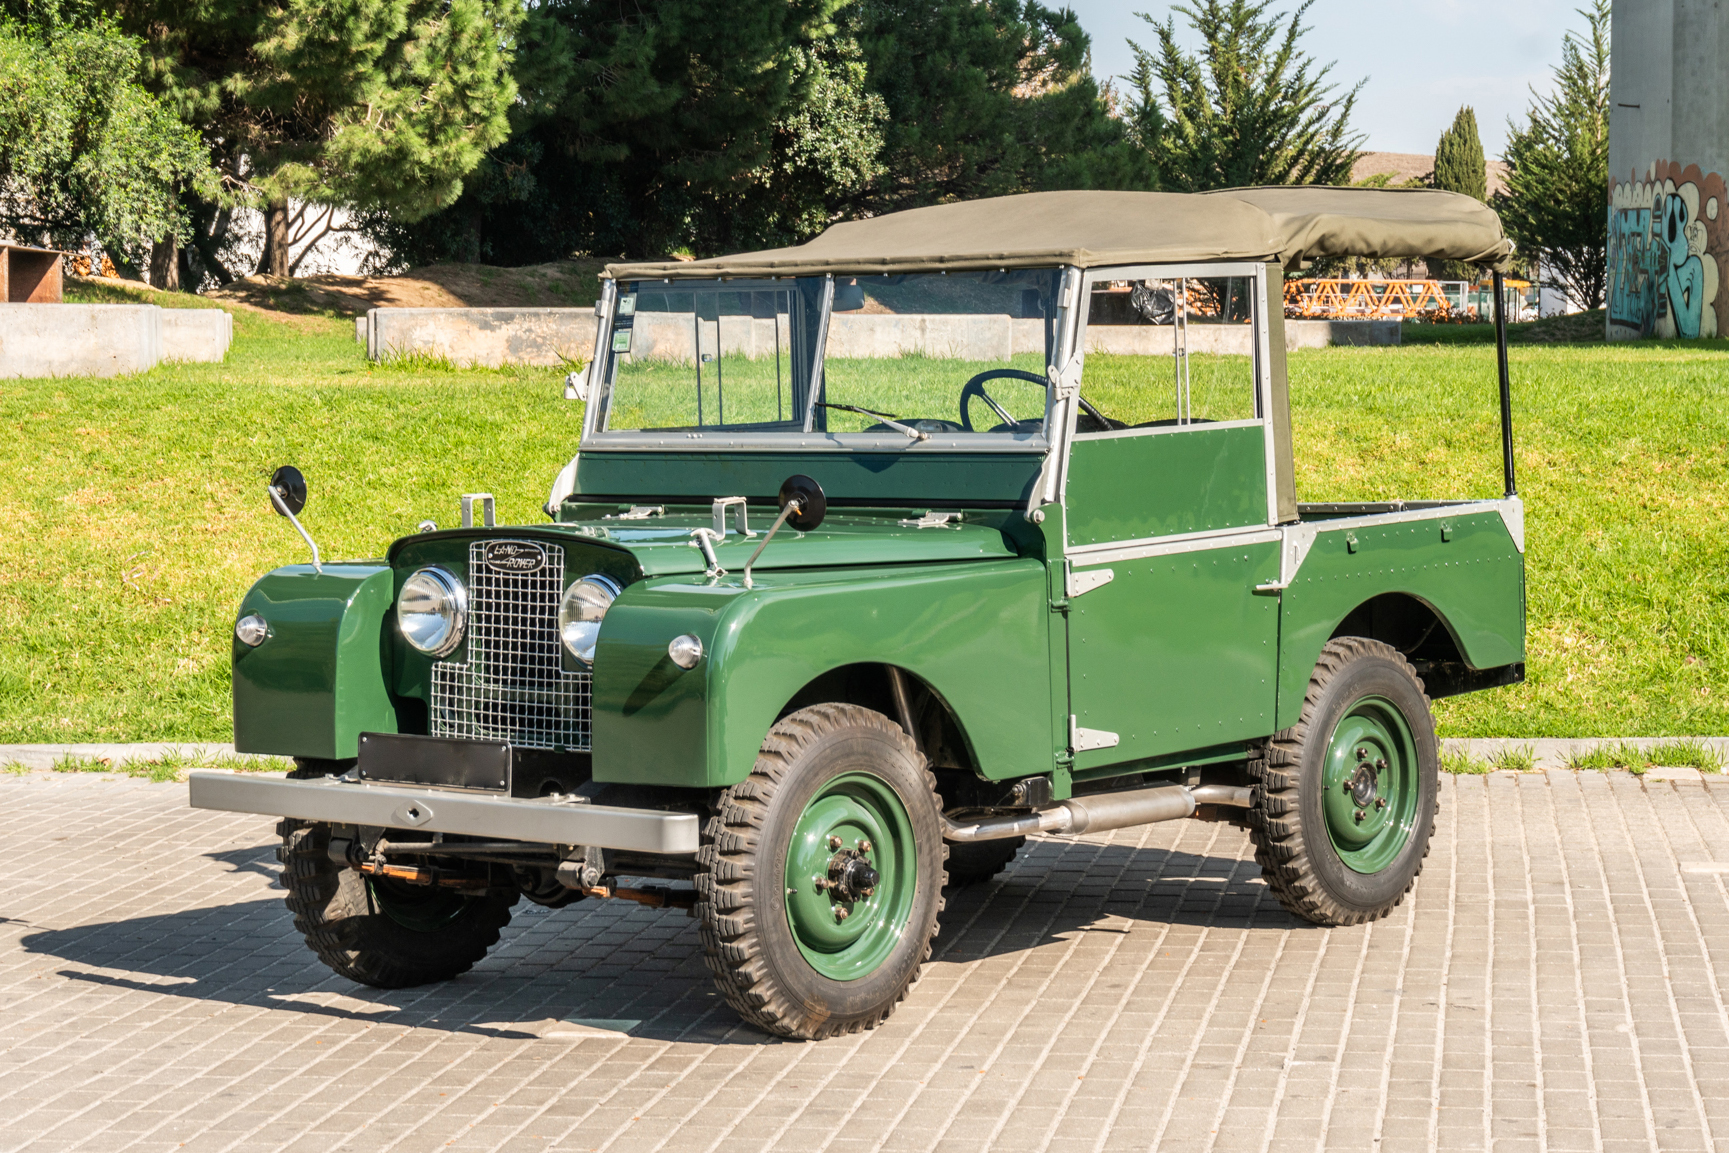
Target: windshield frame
column 595, row 437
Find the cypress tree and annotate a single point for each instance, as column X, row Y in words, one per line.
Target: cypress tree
column 1459, row 163
column 1460, row 167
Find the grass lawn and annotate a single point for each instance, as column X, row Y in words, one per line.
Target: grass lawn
column 135, row 514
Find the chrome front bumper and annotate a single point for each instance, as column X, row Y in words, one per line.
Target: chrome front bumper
column 448, row 811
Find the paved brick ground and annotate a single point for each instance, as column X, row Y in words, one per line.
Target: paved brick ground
column 1553, row 985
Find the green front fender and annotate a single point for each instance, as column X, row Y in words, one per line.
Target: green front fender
column 976, row 633
column 319, row 679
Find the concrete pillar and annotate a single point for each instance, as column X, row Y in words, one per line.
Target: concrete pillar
column 1668, row 226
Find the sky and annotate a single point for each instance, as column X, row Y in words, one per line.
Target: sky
column 1421, row 59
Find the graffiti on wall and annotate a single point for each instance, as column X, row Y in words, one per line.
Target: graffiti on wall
column 1668, row 252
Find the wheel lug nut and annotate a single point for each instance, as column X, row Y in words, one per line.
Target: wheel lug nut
column 1381, row 762
column 864, row 846
column 834, row 842
column 1360, row 814
column 1380, row 802
column 840, row 913
column 1362, row 754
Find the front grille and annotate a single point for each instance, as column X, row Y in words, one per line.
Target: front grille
column 511, row 687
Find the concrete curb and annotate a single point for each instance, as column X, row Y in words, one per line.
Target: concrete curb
column 44, row 756
column 1556, row 752
column 1546, row 752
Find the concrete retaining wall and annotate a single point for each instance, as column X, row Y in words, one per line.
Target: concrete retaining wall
column 201, row 335
column 107, row 339
column 495, row 336
column 1235, row 339
column 487, row 337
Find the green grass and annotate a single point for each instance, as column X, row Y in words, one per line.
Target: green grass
column 1464, row 764
column 136, row 518
column 1680, row 754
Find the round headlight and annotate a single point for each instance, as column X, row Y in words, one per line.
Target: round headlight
column 432, row 610
column 580, row 613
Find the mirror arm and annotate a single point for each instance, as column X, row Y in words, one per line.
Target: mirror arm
column 282, row 507
column 792, row 506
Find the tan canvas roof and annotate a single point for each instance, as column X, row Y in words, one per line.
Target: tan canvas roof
column 1087, row 229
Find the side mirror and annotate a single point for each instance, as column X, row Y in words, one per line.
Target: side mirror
column 287, row 491
column 289, row 487
column 812, row 504
column 848, row 296
column 576, row 384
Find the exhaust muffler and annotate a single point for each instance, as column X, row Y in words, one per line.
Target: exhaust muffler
column 1099, row 813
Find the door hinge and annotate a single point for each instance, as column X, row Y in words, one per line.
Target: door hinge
column 1082, row 583
column 1085, row 740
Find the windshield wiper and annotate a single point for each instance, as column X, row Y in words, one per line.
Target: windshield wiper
column 886, row 418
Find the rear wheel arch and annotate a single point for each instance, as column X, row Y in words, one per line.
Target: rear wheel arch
column 1410, row 624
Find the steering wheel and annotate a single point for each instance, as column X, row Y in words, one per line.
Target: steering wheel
column 976, row 387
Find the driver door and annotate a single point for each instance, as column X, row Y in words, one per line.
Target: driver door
column 1169, row 518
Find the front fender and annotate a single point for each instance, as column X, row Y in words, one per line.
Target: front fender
column 319, row 679
column 975, row 632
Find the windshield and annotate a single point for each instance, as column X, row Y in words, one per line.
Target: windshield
column 910, row 358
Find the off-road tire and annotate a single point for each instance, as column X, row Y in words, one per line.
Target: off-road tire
column 976, row 861
column 337, row 912
column 1296, row 854
column 741, row 908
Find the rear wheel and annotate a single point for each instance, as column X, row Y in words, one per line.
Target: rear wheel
column 1344, row 802
column 820, row 875
column 975, row 861
column 378, row 930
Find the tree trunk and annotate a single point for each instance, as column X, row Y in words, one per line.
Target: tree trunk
column 274, row 260
column 165, row 264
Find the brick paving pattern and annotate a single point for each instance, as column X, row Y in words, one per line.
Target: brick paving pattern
column 1553, row 985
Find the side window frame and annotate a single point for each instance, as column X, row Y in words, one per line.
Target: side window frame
column 1259, row 343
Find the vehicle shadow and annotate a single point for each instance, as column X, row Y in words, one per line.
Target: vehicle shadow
column 599, row 969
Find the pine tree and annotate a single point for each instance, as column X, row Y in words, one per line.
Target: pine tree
column 1557, row 194
column 384, row 104
column 1251, row 108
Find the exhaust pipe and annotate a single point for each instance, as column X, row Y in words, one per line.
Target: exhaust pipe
column 1099, row 813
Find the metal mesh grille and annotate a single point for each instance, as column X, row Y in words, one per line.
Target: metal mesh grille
column 511, row 687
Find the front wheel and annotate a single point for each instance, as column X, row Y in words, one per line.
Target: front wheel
column 1344, row 802
column 377, row 930
column 821, row 874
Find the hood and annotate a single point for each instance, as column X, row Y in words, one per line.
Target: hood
column 664, row 546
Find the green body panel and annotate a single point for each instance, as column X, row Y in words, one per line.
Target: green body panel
column 1162, row 484
column 662, row 545
column 1176, row 653
column 915, row 475
column 320, row 679
column 1474, row 581
column 976, row 633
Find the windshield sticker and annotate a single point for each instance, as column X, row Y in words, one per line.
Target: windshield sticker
column 621, row 340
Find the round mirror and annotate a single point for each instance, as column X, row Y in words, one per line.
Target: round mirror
column 291, row 486
column 813, row 505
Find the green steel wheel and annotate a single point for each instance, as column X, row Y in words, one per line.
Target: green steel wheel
column 1344, row 801
column 377, row 931
column 820, row 875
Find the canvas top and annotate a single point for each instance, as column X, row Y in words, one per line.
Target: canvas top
column 1288, row 224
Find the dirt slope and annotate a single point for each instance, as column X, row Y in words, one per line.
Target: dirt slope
column 561, row 284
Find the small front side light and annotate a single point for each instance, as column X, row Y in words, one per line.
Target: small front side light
column 685, row 651
column 251, row 630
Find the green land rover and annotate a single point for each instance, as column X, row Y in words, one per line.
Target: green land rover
column 879, row 554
